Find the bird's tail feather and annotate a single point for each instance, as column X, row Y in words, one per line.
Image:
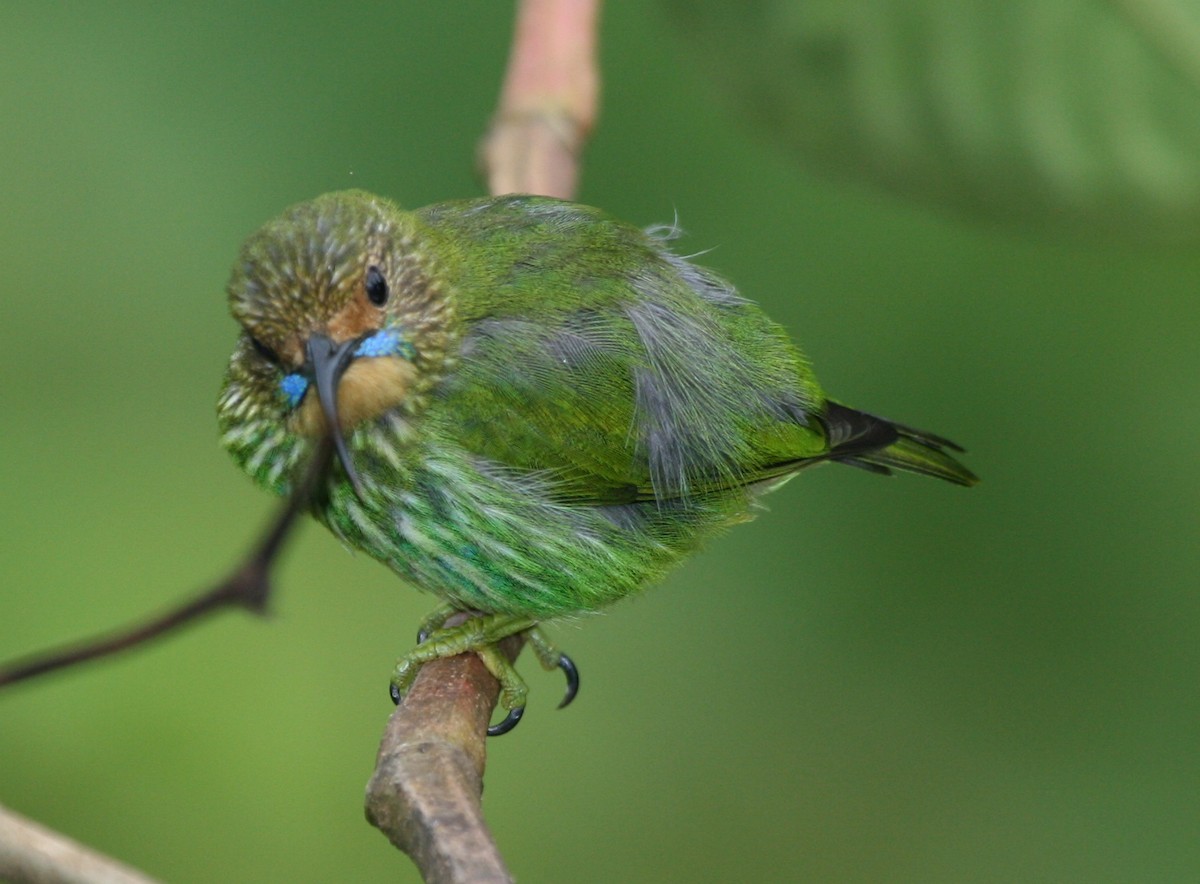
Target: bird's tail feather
column 879, row 445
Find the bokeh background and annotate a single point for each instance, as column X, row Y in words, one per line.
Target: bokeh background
column 876, row 680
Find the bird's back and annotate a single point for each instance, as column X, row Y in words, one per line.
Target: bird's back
column 592, row 355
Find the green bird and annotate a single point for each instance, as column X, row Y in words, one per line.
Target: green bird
column 536, row 409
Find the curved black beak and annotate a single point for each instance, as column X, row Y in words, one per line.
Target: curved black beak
column 328, row 362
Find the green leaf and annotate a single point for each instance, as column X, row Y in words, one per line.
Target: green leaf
column 1078, row 116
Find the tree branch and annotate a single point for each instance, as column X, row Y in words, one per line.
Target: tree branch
column 549, row 101
column 248, row 587
column 30, row 852
column 425, row 792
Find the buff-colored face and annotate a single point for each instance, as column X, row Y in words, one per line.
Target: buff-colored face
column 338, row 315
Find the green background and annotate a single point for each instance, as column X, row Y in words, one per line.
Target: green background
column 876, row 680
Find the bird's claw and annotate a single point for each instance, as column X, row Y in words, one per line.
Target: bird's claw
column 571, row 671
column 480, row 634
column 510, row 721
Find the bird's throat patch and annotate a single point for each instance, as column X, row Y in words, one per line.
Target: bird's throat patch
column 369, row 387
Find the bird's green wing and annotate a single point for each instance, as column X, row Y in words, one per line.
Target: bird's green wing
column 596, row 359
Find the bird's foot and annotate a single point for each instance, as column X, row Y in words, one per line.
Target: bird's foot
column 480, row 634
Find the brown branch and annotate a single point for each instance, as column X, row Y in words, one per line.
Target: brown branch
column 549, row 101
column 425, row 792
column 247, row 587
column 32, row 853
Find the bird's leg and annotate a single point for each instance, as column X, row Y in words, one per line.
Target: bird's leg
column 435, row 621
column 477, row 634
column 480, row 635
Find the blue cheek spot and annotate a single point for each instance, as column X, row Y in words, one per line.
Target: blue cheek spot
column 293, row 387
column 387, row 342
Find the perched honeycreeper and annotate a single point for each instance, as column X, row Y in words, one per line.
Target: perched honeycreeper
column 537, row 409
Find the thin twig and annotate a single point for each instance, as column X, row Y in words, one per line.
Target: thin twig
column 425, row 792
column 32, row 853
column 248, row 587
column 549, row 101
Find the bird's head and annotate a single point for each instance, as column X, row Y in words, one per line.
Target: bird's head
column 343, row 321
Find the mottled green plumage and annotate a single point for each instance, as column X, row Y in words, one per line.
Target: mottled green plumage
column 547, row 412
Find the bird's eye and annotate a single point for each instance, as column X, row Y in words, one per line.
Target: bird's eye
column 377, row 287
column 264, row 351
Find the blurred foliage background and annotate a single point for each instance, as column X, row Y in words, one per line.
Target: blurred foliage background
column 876, row 680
